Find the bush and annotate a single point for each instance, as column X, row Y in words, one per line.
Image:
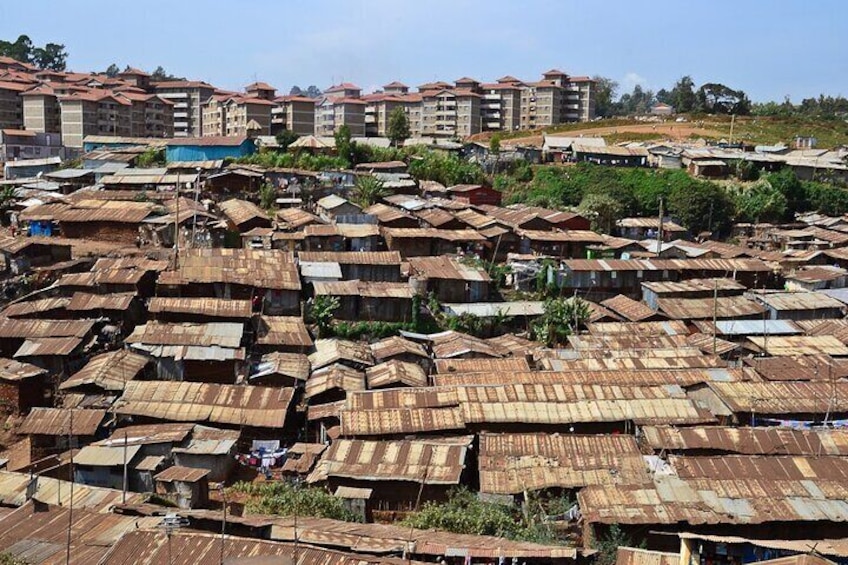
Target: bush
column 284, row 499
column 446, row 169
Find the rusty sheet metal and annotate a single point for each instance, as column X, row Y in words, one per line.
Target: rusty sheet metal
column 293, row 365
column 380, row 538
column 579, row 236
column 396, row 346
column 632, row 364
column 106, row 456
column 23, row 329
column 282, row 330
column 14, row 371
column 463, row 235
column 56, row 422
column 147, row 434
column 836, row 328
column 351, row 257
column 682, row 352
column 790, row 301
column 638, row 556
column 27, row 309
column 393, row 421
column 108, row 371
column 783, row 397
column 329, row 410
column 690, row 286
column 124, row 212
column 366, row 289
column 261, row 407
column 395, row 373
column 598, row 313
column 706, row 308
column 425, row 397
column 301, row 457
column 180, row 474
column 747, row 441
column 451, row 344
column 705, row 343
column 447, row 268
column 774, row 469
column 334, row 377
column 671, row 327
column 48, row 346
column 698, row 265
column 429, row 461
column 800, row 368
column 41, row 535
column 779, row 346
column 681, row 377
column 257, row 268
column 516, row 463
column 129, row 262
column 329, row 351
column 211, row 307
column 511, row 344
column 490, row 365
column 222, row 334
column 624, row 341
column 241, row 211
column 826, row 547
column 296, row 218
column 119, row 301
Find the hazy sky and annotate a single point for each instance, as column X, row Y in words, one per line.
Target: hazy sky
column 769, row 48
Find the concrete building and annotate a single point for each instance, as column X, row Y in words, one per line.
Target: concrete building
column 94, row 113
column 11, row 104
column 333, row 113
column 150, row 115
column 188, row 98
column 293, row 113
column 26, row 144
column 236, row 116
column 41, row 109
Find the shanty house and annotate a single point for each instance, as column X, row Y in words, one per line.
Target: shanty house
column 22, row 387
column 267, row 277
column 24, row 252
column 800, row 305
column 399, row 471
column 103, row 466
column 333, row 206
column 185, row 486
column 359, row 265
column 368, row 300
column 209, row 449
column 207, row 148
column 416, row 242
column 243, row 216
column 451, row 279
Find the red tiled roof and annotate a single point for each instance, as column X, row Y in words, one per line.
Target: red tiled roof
column 182, row 84
column 342, row 86
column 581, row 79
column 259, row 86
column 294, row 98
column 395, row 84
column 132, row 71
column 554, row 72
column 16, row 86
column 466, row 79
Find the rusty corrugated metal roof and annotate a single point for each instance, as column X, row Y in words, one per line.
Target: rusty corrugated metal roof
column 221, row 334
column 748, row 441
column 516, row 463
column 395, row 373
column 242, row 211
column 212, row 307
column 256, row 268
column 795, row 345
column 334, row 376
column 671, row 327
column 395, row 346
column 428, row 461
column 681, row 377
column 23, row 329
column 282, row 330
column 351, row 257
column 329, row 351
column 448, row 268
column 56, row 422
column 177, row 473
column 783, row 397
column 118, row 301
column 14, row 370
column 109, row 371
column 707, row 308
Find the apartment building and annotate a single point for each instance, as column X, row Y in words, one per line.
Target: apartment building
column 188, row 98
column 556, row 99
column 293, row 113
column 94, row 113
column 261, row 90
column 451, row 112
column 378, row 109
column 238, row 116
column 150, row 115
column 42, row 112
column 11, row 104
column 135, row 77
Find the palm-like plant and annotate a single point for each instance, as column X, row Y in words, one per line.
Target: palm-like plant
column 369, row 190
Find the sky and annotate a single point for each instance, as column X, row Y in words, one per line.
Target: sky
column 770, row 49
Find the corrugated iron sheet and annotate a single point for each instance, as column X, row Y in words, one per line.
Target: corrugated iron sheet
column 783, row 397
column 48, row 346
column 672, row 327
column 395, row 346
column 707, row 308
column 256, row 268
column 211, row 307
column 329, row 351
column 105, row 456
column 516, row 463
column 778, row 346
column 119, row 301
column 56, row 422
column 428, row 461
column 22, row 329
column 334, row 377
column 262, row 407
column 282, row 330
column 490, row 366
column 221, row 334
column 242, row 211
column 351, row 257
column 681, row 377
column 366, row 289
column 448, row 268
column 27, row 309
column 181, row 474
column 14, row 371
column 748, row 441
column 395, row 373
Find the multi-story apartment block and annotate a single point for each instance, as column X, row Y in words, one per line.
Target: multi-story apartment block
column 556, row 99
column 11, row 104
column 135, row 77
column 188, row 97
column 340, row 106
column 236, row 115
column 150, row 115
column 94, row 113
column 377, row 111
column 42, row 112
column 261, row 90
column 293, row 113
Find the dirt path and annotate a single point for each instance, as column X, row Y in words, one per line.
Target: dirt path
column 672, row 131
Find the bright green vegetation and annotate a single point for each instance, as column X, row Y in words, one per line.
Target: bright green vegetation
column 284, row 499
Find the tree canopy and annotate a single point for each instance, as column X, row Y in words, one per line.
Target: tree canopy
column 398, row 127
column 51, row 56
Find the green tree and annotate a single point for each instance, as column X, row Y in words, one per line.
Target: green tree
column 368, row 190
column 322, row 311
column 495, row 144
column 398, row 127
column 112, row 70
column 446, row 169
column 20, row 49
column 759, row 202
column 788, row 184
column 151, row 157
column 682, row 96
column 701, row 206
column 720, row 99
column 160, row 75
column 9, row 559
column 285, row 138
column 267, row 197
column 561, row 317
column 608, row 544
column 464, row 513
column 52, row 56
column 344, row 145
column 606, row 90
column 603, row 210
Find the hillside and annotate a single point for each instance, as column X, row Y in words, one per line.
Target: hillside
column 750, row 129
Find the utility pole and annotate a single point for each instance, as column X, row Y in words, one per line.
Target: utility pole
column 177, row 225
column 660, row 230
column 224, row 520
column 71, row 499
column 715, row 312
column 124, row 491
column 732, row 122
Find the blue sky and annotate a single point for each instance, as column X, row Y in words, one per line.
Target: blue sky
column 770, row 49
